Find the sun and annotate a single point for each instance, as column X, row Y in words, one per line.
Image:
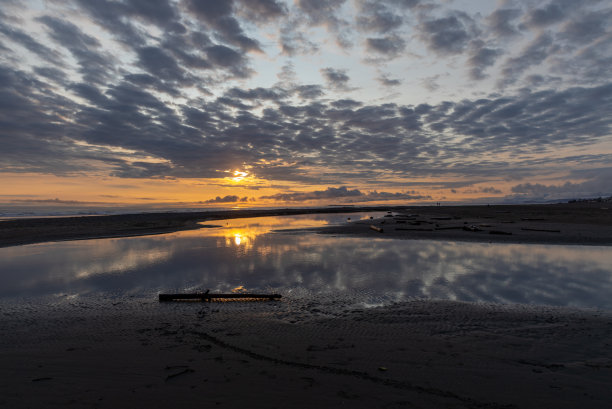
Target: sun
column 239, row 175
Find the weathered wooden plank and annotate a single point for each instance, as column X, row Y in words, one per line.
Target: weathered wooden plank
column 209, row 296
column 376, row 228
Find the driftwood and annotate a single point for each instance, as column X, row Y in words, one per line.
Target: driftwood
column 408, row 229
column 378, row 229
column 209, row 297
column 546, row 230
column 506, row 233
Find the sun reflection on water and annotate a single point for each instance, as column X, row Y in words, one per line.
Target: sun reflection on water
column 242, row 233
column 243, row 239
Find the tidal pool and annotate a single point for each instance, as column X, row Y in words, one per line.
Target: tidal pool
column 279, row 254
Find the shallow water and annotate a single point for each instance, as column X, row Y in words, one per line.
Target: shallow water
column 257, row 255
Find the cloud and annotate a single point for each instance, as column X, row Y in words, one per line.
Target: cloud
column 321, row 11
column 96, row 65
column 259, row 93
column 586, row 28
column 345, row 194
column 598, row 185
column 159, row 12
column 226, row 57
column 294, row 42
column 337, row 79
column 431, row 83
column 390, row 46
column 261, row 11
column 159, row 64
column 227, row 199
column 219, row 15
column 109, row 14
column 378, row 17
column 448, row 35
column 376, row 196
column 327, row 14
column 488, row 190
column 545, row 16
column 482, row 58
column 27, row 41
column 385, row 80
column 535, row 53
column 329, row 193
column 346, row 104
column 311, row 91
column 491, row 190
column 501, row 21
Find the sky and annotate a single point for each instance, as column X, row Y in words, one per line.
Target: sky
column 304, row 102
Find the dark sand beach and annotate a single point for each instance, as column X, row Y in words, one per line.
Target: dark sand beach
column 422, row 354
column 86, row 352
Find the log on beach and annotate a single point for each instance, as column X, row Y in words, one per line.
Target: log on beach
column 404, row 229
column 501, row 232
column 209, row 297
column 543, row 230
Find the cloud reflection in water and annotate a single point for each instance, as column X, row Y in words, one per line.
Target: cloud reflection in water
column 244, row 253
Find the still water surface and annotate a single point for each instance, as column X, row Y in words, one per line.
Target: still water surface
column 276, row 254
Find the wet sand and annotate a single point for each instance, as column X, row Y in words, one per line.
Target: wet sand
column 567, row 223
column 576, row 224
column 14, row 232
column 421, row 354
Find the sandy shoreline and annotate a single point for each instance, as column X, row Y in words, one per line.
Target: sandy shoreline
column 568, row 223
column 16, row 232
column 421, row 354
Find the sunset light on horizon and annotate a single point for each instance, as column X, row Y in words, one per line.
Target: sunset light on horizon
column 246, row 103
